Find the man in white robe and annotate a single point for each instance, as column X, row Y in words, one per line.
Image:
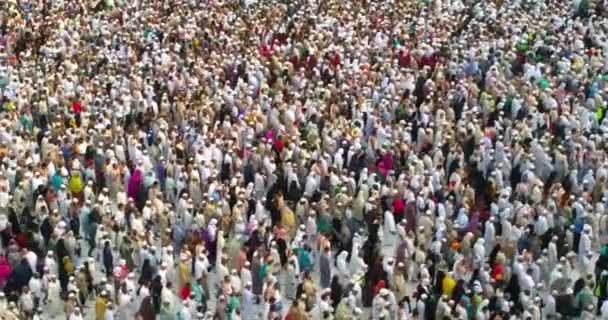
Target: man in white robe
column 54, row 303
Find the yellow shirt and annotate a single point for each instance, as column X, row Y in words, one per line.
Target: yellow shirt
column 288, row 219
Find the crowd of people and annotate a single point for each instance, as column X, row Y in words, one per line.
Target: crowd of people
column 308, row 159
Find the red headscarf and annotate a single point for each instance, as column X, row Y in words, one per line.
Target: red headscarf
column 379, row 286
column 185, row 293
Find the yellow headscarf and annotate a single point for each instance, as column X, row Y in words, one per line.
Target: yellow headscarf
column 76, row 185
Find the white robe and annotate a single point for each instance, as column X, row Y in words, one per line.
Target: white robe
column 549, row 307
column 343, row 270
column 479, row 251
column 390, row 231
column 555, row 275
column 247, row 302
column 73, row 316
column 124, row 300
column 134, row 304
column 488, row 236
column 245, row 276
column 31, row 259
column 604, row 310
column 421, row 306
column 552, row 255
column 584, row 245
column 235, row 282
column 54, row 303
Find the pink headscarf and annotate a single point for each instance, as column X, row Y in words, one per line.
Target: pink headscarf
column 5, row 271
column 386, row 164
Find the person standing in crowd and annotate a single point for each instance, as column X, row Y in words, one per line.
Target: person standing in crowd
column 303, row 159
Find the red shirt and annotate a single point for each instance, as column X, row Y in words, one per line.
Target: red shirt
column 76, row 107
column 398, row 207
column 497, row 272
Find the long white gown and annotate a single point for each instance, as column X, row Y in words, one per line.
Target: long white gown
column 124, row 301
column 54, row 302
column 390, row 231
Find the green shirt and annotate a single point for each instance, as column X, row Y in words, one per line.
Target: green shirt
column 27, row 123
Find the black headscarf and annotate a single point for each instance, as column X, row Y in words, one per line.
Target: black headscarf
column 146, row 272
column 336, row 291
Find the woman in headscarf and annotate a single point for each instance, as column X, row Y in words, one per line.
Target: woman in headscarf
column 135, row 184
column 157, row 288
column 210, row 237
column 146, row 272
column 399, row 284
column 410, row 212
column 114, row 179
column 5, row 271
column 386, row 164
column 341, row 264
column 184, row 270
column 398, row 205
column 360, row 202
column 291, row 281
column 296, row 311
column 389, row 229
column 76, row 186
column 123, row 301
column 256, row 277
column 336, row 291
column 57, row 179
column 325, row 267
column 149, row 179
column 381, row 284
column 20, row 277
column 146, row 309
column 294, row 189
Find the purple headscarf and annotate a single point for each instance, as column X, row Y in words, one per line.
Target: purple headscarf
column 136, row 180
